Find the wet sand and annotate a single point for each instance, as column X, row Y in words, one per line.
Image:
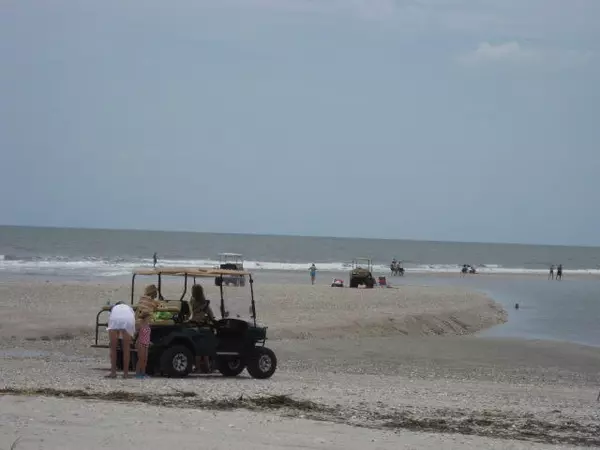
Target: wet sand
column 402, row 362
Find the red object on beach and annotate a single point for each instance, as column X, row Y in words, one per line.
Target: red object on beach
column 382, row 281
column 337, row 283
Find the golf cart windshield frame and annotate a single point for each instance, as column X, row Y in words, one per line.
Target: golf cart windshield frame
column 233, row 257
column 194, row 273
column 361, row 262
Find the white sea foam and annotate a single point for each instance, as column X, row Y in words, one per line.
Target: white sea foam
column 122, row 267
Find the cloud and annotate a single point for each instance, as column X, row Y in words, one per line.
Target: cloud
column 503, row 52
column 513, row 52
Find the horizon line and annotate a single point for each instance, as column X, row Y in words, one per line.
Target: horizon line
column 293, row 235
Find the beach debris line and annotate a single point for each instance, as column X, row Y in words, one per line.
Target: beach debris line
column 501, row 424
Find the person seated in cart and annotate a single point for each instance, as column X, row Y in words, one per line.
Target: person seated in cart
column 202, row 316
column 202, row 313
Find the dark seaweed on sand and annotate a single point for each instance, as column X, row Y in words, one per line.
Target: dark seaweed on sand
column 497, row 424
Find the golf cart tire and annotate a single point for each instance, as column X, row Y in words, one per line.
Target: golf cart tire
column 227, row 369
column 353, row 283
column 262, row 363
column 176, row 361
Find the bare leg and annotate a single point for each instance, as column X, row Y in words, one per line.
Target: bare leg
column 126, row 341
column 113, row 336
column 202, row 364
column 142, row 359
column 138, row 366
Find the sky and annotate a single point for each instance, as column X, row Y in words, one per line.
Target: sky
column 415, row 119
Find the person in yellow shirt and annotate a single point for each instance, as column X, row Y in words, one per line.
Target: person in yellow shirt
column 147, row 303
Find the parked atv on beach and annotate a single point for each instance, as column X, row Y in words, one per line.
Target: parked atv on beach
column 362, row 273
column 231, row 261
column 231, row 344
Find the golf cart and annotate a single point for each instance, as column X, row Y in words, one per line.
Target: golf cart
column 231, row 261
column 231, row 344
column 362, row 273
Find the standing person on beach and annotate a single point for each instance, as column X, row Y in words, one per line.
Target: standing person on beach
column 559, row 272
column 551, row 274
column 147, row 302
column 313, row 273
column 154, row 259
column 142, row 343
column 121, row 324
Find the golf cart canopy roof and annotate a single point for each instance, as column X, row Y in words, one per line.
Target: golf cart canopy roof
column 190, row 271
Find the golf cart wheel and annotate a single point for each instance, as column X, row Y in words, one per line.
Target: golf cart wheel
column 353, row 283
column 176, row 361
column 262, row 363
column 231, row 367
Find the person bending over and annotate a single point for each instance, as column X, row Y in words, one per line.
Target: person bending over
column 121, row 325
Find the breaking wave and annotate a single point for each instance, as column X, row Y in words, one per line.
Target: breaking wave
column 103, row 267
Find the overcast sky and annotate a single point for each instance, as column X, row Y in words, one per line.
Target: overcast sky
column 420, row 119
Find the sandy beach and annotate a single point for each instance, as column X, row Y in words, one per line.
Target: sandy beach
column 357, row 368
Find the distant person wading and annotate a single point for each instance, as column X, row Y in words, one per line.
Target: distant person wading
column 313, row 273
column 559, row 272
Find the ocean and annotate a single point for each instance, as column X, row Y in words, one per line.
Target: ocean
column 105, row 253
column 568, row 310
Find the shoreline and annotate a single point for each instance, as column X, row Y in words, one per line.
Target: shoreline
column 36, row 309
column 584, row 274
column 118, row 288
